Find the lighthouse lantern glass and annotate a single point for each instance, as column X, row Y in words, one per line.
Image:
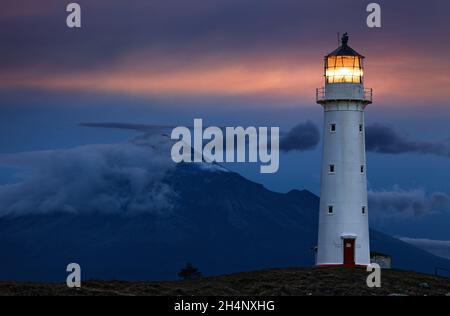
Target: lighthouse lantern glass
column 343, row 69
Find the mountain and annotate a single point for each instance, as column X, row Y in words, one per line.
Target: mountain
column 219, row 221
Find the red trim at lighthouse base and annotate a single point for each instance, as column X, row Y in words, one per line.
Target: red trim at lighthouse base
column 341, row 266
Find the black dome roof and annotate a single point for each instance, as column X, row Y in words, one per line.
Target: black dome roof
column 344, row 49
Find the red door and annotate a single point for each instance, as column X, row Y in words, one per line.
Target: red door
column 349, row 252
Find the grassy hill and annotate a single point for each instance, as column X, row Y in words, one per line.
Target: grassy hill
column 273, row 282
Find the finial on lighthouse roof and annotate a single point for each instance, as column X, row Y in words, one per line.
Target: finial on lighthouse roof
column 345, row 39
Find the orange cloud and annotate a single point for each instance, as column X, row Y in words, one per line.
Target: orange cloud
column 281, row 78
column 231, row 79
column 417, row 79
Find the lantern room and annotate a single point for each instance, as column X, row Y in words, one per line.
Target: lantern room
column 344, row 65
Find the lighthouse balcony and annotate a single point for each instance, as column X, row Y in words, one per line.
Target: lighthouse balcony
column 348, row 93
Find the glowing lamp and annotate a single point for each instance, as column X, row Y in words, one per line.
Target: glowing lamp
column 344, row 65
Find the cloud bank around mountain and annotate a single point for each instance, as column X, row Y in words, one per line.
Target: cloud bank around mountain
column 127, row 177
column 406, row 203
column 437, row 247
column 119, row 178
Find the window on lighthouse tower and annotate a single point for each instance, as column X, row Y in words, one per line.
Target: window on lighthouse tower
column 331, row 168
column 330, row 209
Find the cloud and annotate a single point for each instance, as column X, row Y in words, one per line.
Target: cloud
column 215, row 48
column 407, row 203
column 148, row 129
column 437, row 247
column 27, row 8
column 124, row 178
column 304, row 136
column 120, row 178
column 383, row 139
column 261, row 79
column 136, row 127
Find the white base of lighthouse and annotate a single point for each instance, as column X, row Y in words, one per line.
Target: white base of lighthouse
column 343, row 221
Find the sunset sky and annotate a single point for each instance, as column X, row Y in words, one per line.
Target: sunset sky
column 233, row 62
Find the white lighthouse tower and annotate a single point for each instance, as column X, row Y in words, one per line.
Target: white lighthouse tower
column 343, row 219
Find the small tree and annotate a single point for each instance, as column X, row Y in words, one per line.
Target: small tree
column 189, row 272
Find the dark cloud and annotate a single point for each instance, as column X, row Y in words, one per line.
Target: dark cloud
column 135, row 127
column 383, row 139
column 112, row 29
column 407, row 203
column 304, row 136
column 437, row 247
column 118, row 178
column 34, row 33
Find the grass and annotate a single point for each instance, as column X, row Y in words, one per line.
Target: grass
column 273, row 282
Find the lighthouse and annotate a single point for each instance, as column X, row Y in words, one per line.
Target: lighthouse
column 343, row 220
